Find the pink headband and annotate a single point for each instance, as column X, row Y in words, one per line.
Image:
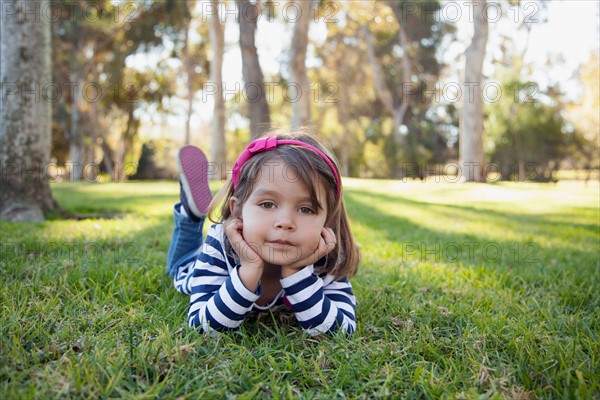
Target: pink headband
column 264, row 144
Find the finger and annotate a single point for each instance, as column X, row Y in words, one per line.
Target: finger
column 326, row 244
column 234, row 223
column 329, row 238
column 230, row 222
column 229, row 226
column 233, row 229
column 328, row 234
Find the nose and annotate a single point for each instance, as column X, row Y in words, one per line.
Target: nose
column 285, row 221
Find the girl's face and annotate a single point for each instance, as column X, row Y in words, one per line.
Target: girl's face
column 279, row 220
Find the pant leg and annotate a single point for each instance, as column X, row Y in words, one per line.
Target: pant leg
column 186, row 241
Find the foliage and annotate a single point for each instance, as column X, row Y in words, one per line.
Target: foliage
column 138, row 64
column 346, row 67
column 96, row 46
column 584, row 116
column 345, row 104
column 526, row 132
column 88, row 311
column 426, row 141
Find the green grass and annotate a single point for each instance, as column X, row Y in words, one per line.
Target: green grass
column 465, row 291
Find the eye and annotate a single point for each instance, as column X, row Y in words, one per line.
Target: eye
column 306, row 210
column 267, row 205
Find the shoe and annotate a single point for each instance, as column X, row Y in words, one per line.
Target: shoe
column 195, row 194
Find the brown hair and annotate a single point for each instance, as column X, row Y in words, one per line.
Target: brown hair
column 344, row 258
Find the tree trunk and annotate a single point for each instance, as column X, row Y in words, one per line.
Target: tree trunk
column 90, row 166
column 75, row 133
column 254, row 89
column 301, row 107
column 471, row 116
column 107, row 160
column 343, row 117
column 25, row 121
column 189, row 73
column 217, row 151
column 400, row 111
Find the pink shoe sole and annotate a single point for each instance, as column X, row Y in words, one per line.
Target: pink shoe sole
column 193, row 175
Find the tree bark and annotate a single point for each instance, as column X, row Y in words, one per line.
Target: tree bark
column 25, row 118
column 343, row 117
column 401, row 110
column 258, row 109
column 189, row 73
column 75, row 132
column 90, row 166
column 345, row 140
column 77, row 77
column 471, row 116
column 217, row 151
column 301, row 107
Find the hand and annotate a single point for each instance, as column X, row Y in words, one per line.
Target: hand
column 248, row 256
column 327, row 243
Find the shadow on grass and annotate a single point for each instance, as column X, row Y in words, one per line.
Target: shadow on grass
column 546, row 222
column 397, row 229
column 85, row 200
column 421, row 263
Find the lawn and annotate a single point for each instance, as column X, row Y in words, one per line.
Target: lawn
column 465, row 291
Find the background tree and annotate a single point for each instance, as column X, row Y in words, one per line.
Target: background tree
column 301, row 107
column 25, row 119
column 188, row 63
column 106, row 86
column 345, row 105
column 403, row 42
column 258, row 108
column 510, row 65
column 471, row 116
column 218, row 153
column 585, row 117
column 527, row 141
column 398, row 106
column 373, row 97
column 80, row 36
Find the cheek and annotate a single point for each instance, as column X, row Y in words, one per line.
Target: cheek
column 250, row 226
column 314, row 234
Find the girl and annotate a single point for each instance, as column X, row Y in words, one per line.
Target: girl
column 281, row 238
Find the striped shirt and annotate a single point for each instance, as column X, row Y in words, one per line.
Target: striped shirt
column 220, row 301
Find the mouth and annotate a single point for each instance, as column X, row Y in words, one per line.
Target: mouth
column 281, row 243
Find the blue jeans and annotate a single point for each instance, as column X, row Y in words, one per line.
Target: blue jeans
column 186, row 241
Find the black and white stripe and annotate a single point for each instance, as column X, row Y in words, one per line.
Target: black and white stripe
column 220, row 301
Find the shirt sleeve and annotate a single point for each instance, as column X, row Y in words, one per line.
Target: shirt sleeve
column 321, row 308
column 219, row 300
